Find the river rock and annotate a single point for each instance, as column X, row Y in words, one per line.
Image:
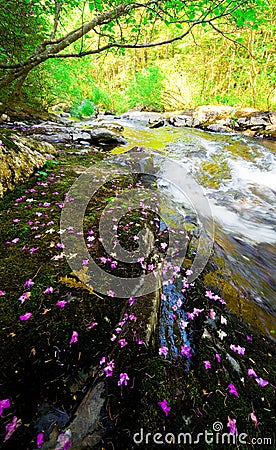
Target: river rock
column 156, row 124
column 102, row 136
column 184, row 120
column 19, row 156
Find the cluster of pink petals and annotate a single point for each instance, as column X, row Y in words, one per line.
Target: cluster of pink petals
column 240, row 350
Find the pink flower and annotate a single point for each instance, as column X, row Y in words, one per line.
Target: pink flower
column 93, row 324
column 111, row 293
column 103, row 259
column 124, row 378
column 261, row 382
column 186, row 350
column 232, row 390
column 218, row 357
column 131, row 300
column 48, row 290
column 189, row 272
column 24, row 297
column 249, row 338
column 28, row 283
column 163, row 350
column 2, row 293
column 221, row 334
column 196, row 311
column 61, row 303
column 252, row 373
column 85, row 262
column 164, row 406
column 4, row 404
column 26, row 316
column 190, row 316
column 109, row 368
column 39, row 440
column 232, row 425
column 74, row 337
column 11, row 427
column 122, row 342
column 207, row 364
column 33, row 249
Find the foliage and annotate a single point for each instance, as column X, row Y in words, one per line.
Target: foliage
column 145, row 90
column 227, row 59
column 85, row 108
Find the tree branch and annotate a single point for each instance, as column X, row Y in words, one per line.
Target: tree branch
column 56, row 19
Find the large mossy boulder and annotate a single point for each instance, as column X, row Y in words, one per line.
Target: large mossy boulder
column 19, row 157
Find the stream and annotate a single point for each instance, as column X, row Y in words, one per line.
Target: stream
column 238, row 175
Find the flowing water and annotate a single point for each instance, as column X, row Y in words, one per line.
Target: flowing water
column 238, row 175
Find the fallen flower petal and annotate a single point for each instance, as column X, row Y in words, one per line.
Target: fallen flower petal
column 261, row 382
column 48, row 290
column 252, row 373
column 232, row 390
column 11, row 427
column 221, row 334
column 122, row 342
column 26, row 316
column 28, row 283
column 74, row 337
column 232, row 425
column 40, row 440
column 64, row 441
column 124, row 378
column 61, row 303
column 186, row 350
column 4, row 404
column 163, row 350
column 164, row 406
